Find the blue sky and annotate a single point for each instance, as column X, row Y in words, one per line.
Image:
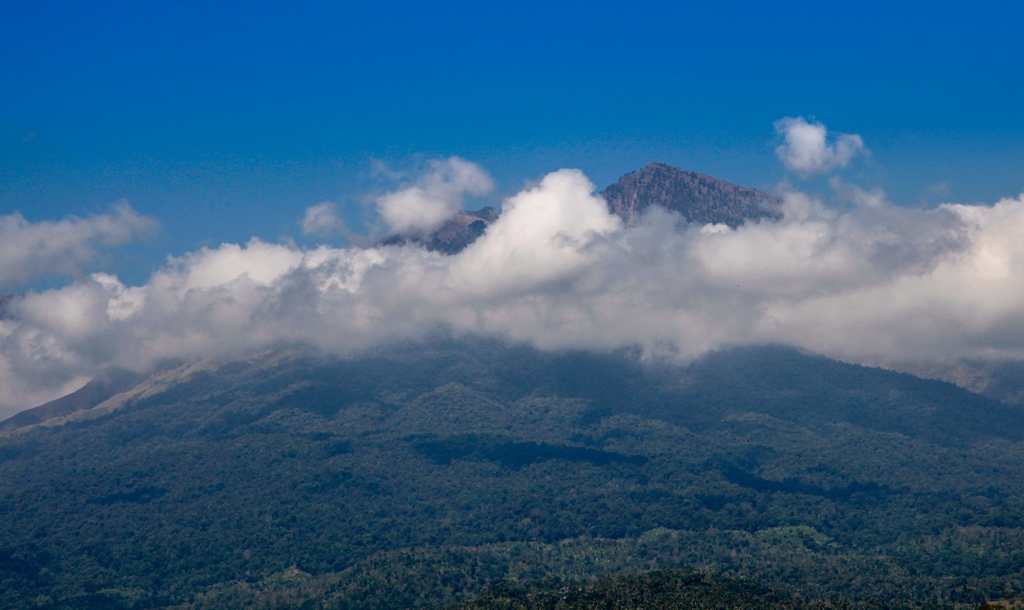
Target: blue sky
column 226, row 121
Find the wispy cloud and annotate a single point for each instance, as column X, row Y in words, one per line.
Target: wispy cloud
column 31, row 250
column 322, row 220
column 806, row 150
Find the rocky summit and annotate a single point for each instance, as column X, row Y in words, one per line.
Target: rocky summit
column 697, row 197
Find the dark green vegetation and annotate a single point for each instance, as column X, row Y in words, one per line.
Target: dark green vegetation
column 657, row 590
column 422, row 475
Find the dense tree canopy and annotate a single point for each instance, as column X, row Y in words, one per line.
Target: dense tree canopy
column 424, row 474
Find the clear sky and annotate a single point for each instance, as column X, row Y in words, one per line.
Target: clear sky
column 227, row 120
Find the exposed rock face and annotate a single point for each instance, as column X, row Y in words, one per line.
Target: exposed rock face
column 454, row 235
column 698, row 197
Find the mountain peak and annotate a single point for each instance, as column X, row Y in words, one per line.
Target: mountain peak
column 697, row 197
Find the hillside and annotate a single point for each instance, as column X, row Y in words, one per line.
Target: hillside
column 109, row 383
column 420, row 474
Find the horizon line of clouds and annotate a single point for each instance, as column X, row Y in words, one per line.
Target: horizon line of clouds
column 557, row 270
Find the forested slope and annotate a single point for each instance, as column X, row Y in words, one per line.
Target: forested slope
column 421, row 474
column 659, row 590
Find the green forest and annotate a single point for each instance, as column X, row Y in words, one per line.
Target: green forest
column 467, row 473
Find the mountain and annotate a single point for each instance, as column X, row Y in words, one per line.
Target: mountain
column 697, row 197
column 466, row 471
column 422, row 474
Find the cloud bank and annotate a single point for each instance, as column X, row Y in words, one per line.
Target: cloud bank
column 31, row 250
column 874, row 282
column 806, row 150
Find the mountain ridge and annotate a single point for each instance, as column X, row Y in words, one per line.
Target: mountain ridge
column 611, row 388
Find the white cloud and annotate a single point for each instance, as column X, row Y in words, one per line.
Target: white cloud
column 806, row 150
column 321, row 220
column 556, row 270
column 542, row 234
column 30, row 250
column 437, row 196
